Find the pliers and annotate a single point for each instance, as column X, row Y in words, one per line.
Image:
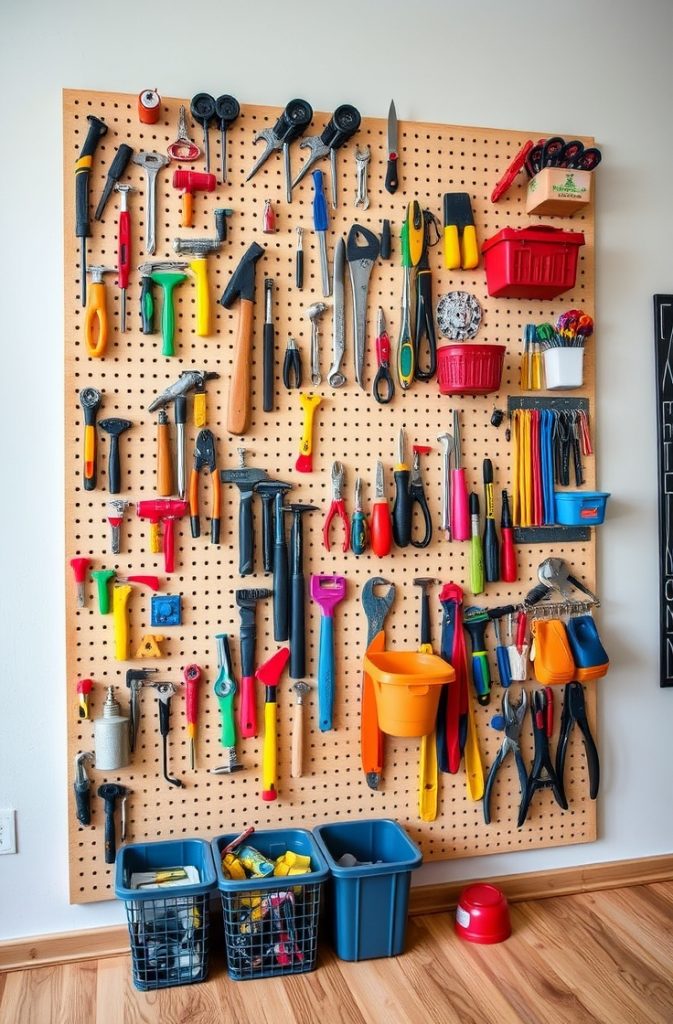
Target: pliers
column 514, row 715
column 204, row 457
column 574, row 712
column 383, row 374
column 292, row 365
column 337, row 508
column 542, row 774
column 417, row 495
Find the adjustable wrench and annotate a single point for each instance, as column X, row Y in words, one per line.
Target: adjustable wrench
column 360, row 262
column 151, row 164
column 335, row 378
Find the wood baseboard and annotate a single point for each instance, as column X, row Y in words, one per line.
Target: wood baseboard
column 96, row 943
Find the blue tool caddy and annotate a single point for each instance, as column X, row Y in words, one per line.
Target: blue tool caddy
column 368, row 902
column 168, row 925
column 271, row 923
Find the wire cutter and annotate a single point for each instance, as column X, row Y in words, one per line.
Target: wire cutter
column 337, row 507
column 383, row 374
column 542, row 774
column 292, row 365
column 514, row 715
column 417, row 495
column 574, row 712
column 204, row 458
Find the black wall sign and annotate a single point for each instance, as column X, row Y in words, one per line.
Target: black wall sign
column 663, row 342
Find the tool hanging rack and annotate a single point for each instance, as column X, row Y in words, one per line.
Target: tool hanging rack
column 350, row 427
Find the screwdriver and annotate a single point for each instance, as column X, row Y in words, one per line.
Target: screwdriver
column 476, row 549
column 460, row 520
column 123, row 248
column 405, row 344
column 192, row 678
column 358, row 522
column 381, row 528
column 402, row 503
column 475, row 621
column 491, row 543
column 320, row 227
column 97, row 130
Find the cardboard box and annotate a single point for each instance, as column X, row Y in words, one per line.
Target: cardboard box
column 559, row 191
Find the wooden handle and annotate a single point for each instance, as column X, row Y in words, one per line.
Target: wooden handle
column 297, row 741
column 238, row 417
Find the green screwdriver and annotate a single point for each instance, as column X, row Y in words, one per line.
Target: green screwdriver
column 476, row 549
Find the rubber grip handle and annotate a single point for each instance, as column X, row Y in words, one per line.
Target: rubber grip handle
column 476, row 566
column 164, row 461
column 216, row 509
column 326, row 674
column 228, row 733
column 320, row 217
column 89, row 473
column 504, row 670
column 191, row 698
column 470, row 249
column 199, row 268
column 280, row 593
column 402, row 509
column 238, row 414
column 124, row 249
column 114, row 473
column 146, row 305
column 391, row 181
column 386, row 246
column 297, row 742
column 460, row 516
column 405, row 360
column 120, row 599
column 96, row 320
column 358, row 533
column 268, row 368
column 110, row 836
column 481, row 676
column 168, row 540
column 451, row 247
column 371, row 737
column 381, row 529
column 491, row 552
column 299, row 272
column 247, row 709
column 269, row 752
column 168, row 320
column 246, row 535
column 82, row 802
column 200, row 409
column 297, row 628
column 82, row 172
column 508, row 570
column 267, row 536
column 187, row 209
column 155, row 539
column 425, row 620
column 103, row 593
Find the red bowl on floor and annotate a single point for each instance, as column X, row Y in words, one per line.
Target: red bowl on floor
column 482, row 915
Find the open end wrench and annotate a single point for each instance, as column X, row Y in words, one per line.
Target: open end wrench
column 360, row 262
column 335, row 378
column 376, row 607
column 151, row 164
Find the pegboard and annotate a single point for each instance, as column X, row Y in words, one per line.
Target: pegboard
column 350, row 427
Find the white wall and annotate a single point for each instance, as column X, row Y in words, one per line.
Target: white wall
column 595, row 67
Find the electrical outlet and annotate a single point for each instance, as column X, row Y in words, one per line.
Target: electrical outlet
column 7, row 831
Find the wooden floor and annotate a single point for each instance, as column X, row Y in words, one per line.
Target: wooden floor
column 603, row 956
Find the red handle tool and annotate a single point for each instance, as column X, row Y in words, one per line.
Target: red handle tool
column 192, row 678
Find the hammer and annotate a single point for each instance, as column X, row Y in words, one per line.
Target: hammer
column 110, row 792
column 269, row 674
column 199, row 249
column 247, row 605
column 190, row 182
column 164, row 511
column 114, row 426
column 242, row 285
column 247, row 478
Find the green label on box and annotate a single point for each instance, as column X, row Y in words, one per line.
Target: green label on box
column 569, row 187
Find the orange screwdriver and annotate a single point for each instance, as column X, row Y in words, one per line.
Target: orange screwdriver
column 381, row 530
column 192, row 678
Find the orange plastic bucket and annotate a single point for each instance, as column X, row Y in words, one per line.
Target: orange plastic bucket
column 407, row 686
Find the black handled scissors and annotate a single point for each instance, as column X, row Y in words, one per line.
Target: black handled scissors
column 575, row 157
column 417, row 495
column 383, row 374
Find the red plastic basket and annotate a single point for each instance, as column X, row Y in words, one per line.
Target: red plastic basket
column 470, row 369
column 531, row 263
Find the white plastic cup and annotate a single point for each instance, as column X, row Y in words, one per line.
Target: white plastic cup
column 563, row 368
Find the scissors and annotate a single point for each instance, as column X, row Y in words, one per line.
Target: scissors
column 383, row 375
column 576, row 157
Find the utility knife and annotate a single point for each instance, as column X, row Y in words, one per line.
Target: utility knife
column 391, row 171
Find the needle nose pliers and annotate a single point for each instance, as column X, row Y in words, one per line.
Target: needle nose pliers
column 542, row 774
column 574, row 712
column 337, row 508
column 204, row 458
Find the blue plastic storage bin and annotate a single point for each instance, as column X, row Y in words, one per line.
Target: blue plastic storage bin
column 168, row 927
column 368, row 902
column 271, row 923
column 580, row 508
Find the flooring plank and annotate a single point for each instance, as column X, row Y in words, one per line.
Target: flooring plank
column 641, row 914
column 30, row 997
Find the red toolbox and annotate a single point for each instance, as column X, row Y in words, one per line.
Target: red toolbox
column 531, row 263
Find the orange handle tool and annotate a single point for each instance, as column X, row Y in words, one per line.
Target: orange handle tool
column 95, row 316
column 238, row 418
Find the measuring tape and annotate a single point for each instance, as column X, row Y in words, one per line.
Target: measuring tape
column 149, row 106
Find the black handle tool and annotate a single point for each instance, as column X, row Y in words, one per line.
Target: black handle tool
column 97, row 130
column 117, row 168
column 267, row 350
column 402, row 505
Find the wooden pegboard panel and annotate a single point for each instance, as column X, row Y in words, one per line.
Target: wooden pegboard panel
column 350, row 427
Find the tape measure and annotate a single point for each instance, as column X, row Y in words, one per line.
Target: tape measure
column 149, row 106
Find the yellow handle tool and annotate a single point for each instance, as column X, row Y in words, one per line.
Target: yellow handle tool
column 427, row 768
column 199, row 268
column 120, row 600
column 95, row 316
column 269, row 753
column 460, row 236
column 474, row 769
column 406, row 356
column 309, row 404
column 415, row 231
